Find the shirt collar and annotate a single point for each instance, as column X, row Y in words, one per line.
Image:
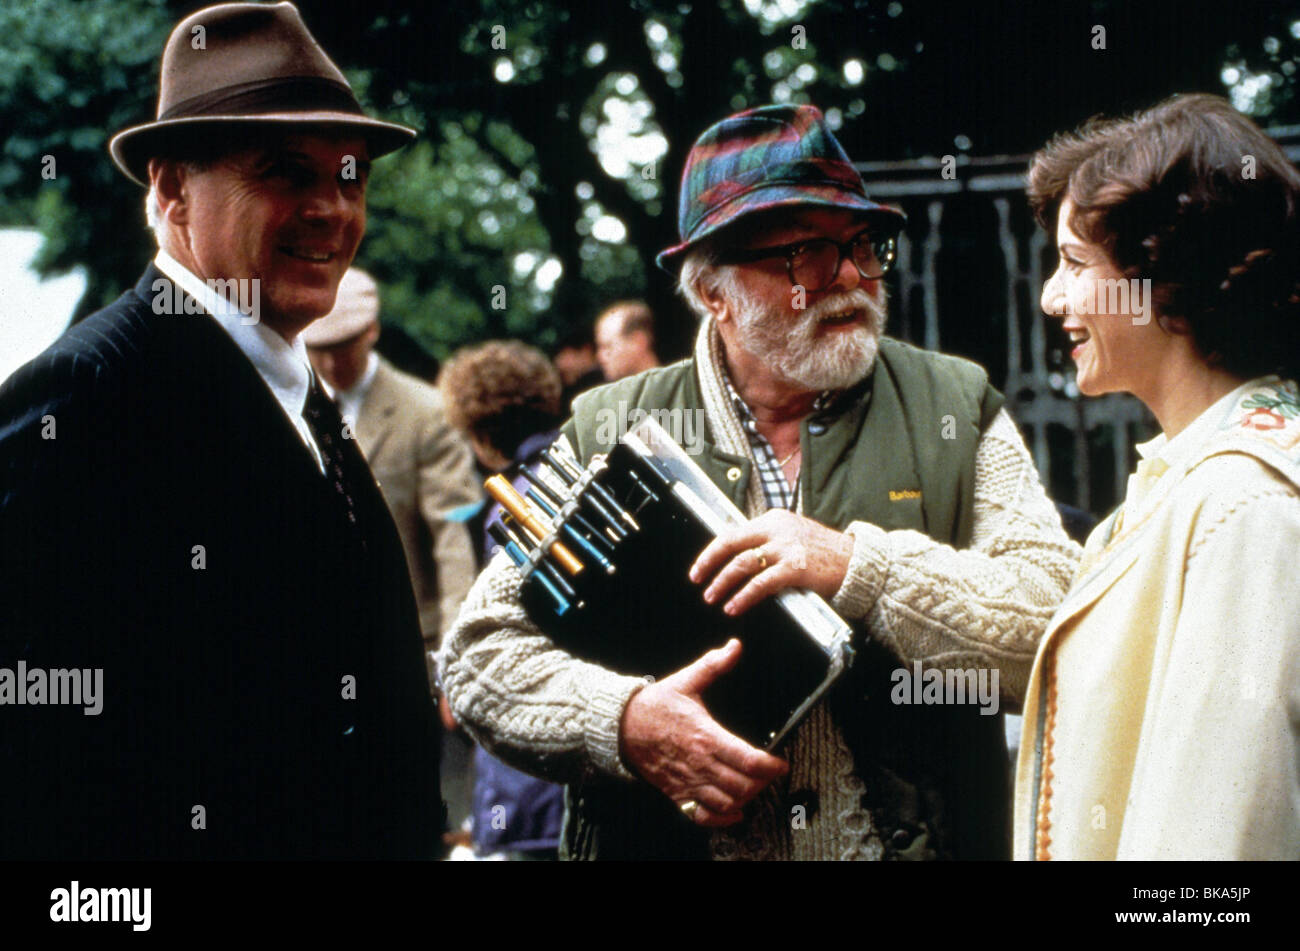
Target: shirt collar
column 358, row 390
column 1162, row 454
column 747, row 420
column 1174, row 452
column 283, row 365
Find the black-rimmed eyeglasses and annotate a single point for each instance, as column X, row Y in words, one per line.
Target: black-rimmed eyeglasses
column 814, row 263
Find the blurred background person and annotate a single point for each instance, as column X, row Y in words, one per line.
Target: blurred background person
column 400, row 347
column 575, row 359
column 1163, row 712
column 423, row 464
column 625, row 339
column 505, row 396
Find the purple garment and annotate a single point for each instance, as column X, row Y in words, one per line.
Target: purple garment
column 513, row 812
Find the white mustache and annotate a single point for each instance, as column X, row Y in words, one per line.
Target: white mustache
column 857, row 299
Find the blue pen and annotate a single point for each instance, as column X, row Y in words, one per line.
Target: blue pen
column 589, row 496
column 576, row 518
column 513, row 531
column 573, row 533
column 520, row 558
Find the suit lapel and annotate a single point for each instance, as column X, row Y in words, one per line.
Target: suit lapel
column 205, row 359
column 375, row 421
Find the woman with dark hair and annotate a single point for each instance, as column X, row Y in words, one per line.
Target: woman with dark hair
column 1162, row 714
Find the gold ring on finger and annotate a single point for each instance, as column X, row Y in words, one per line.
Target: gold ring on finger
column 689, row 808
column 762, row 561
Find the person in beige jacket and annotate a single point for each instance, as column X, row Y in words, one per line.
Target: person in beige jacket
column 1163, row 712
column 423, row 465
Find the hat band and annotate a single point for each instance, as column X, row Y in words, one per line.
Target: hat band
column 799, row 174
column 292, row 94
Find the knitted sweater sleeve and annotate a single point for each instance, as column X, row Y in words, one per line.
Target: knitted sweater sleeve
column 985, row 606
column 521, row 697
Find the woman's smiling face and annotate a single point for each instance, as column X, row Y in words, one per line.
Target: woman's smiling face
column 1115, row 348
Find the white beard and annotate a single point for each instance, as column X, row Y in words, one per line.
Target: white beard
column 787, row 341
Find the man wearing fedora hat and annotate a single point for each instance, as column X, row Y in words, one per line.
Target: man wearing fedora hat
column 883, row 477
column 183, row 514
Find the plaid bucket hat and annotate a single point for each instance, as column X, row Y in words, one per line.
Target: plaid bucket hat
column 768, row 157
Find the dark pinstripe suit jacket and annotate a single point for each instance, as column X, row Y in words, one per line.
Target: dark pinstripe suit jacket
column 176, row 533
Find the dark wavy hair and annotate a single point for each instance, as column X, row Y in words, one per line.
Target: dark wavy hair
column 502, row 391
column 1195, row 197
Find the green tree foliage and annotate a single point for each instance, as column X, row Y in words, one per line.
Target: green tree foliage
column 554, row 132
column 70, row 75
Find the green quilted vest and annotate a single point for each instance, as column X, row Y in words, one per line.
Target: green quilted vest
column 898, row 451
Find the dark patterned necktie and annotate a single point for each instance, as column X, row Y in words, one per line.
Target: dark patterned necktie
column 326, row 426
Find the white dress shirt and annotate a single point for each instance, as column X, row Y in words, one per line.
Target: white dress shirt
column 351, row 399
column 282, row 365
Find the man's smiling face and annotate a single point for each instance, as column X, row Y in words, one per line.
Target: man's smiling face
column 290, row 214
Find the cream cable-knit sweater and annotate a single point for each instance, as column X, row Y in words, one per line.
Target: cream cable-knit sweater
column 544, row 710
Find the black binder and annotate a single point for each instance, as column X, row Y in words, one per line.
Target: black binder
column 632, row 607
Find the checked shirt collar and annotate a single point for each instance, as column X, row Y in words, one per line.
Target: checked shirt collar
column 776, row 489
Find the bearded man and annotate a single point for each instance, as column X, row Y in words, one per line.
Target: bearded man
column 883, row 477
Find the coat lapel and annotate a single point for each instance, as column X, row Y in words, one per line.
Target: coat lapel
column 375, row 422
column 729, row 472
column 1098, row 575
column 205, row 355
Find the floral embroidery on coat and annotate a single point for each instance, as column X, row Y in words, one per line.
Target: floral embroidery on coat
column 1271, row 408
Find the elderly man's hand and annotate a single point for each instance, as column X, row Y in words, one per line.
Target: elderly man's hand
column 668, row 737
column 777, row 550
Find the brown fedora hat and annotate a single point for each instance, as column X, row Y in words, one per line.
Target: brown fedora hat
column 245, row 63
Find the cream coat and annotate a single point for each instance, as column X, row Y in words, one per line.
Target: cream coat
column 1163, row 711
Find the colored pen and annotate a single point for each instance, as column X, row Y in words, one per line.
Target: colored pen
column 520, row 559
column 556, row 503
column 654, row 496
column 514, row 503
column 573, row 533
column 508, row 526
column 598, row 495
